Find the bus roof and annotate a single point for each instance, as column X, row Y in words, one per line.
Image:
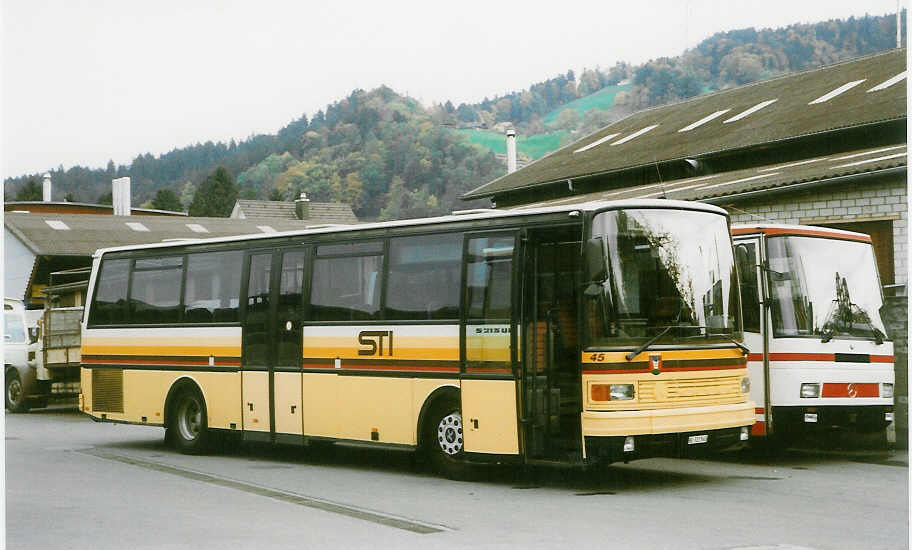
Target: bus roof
column 468, row 215
column 799, row 230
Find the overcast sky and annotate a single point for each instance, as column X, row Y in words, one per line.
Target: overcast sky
column 88, row 81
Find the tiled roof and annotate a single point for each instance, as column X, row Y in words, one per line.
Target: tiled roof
column 318, row 212
column 851, row 94
column 82, row 234
column 712, row 188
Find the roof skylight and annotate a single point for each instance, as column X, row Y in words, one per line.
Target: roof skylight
column 750, row 111
column 634, row 135
column 266, row 229
column 840, row 90
column 596, row 142
column 799, row 163
column 872, row 152
column 703, row 120
column 136, row 226
column 58, row 225
column 856, row 163
column 742, row 180
column 196, row 228
column 887, row 83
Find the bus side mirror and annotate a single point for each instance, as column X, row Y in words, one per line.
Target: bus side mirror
column 596, row 265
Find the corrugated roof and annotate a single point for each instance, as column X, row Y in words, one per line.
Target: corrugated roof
column 317, row 212
column 759, row 113
column 748, row 180
column 88, row 232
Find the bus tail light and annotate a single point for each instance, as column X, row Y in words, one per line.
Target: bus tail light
column 745, row 385
column 810, row 389
column 611, row 392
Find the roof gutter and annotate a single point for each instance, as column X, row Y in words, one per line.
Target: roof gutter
column 747, row 195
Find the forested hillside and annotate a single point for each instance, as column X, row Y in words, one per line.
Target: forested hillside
column 391, row 157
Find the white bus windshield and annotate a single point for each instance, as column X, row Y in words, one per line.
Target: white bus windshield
column 824, row 287
column 665, row 268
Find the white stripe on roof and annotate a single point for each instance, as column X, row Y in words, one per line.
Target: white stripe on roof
column 799, row 163
column 750, row 111
column 667, row 186
column 703, row 120
column 741, row 180
column 196, row 228
column 676, row 189
column 136, row 226
column 58, row 225
column 875, row 151
column 857, row 163
column 596, row 142
column 636, row 134
column 887, row 83
column 842, row 89
column 266, row 229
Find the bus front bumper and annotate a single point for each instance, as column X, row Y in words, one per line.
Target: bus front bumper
column 665, row 421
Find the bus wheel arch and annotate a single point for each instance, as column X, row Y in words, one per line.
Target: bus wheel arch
column 440, row 434
column 186, row 417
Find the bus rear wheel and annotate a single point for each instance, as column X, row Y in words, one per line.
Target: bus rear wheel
column 444, row 443
column 15, row 393
column 188, row 427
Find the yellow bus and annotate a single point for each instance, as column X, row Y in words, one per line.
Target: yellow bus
column 597, row 332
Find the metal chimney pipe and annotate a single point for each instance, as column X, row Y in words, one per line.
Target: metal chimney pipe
column 120, row 195
column 511, row 151
column 46, row 187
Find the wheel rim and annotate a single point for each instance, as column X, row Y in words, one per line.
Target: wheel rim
column 14, row 391
column 449, row 433
column 189, row 419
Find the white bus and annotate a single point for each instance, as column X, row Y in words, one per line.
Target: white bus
column 820, row 357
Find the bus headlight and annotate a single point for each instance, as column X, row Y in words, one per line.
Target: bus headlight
column 612, row 392
column 886, row 389
column 810, row 389
column 745, row 385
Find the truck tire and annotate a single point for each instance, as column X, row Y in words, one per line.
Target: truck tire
column 15, row 393
column 188, row 425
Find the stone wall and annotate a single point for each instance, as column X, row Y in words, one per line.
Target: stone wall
column 896, row 318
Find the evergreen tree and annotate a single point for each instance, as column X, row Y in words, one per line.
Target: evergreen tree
column 31, row 191
column 216, row 196
column 105, row 198
column 166, row 199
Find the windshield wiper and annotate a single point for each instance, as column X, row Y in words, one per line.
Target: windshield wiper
column 652, row 340
column 648, row 343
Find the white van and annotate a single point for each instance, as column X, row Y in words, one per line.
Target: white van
column 19, row 347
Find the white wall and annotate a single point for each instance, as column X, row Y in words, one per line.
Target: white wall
column 18, row 262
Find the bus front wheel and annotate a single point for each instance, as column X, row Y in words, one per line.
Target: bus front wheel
column 444, row 441
column 15, row 393
column 187, row 427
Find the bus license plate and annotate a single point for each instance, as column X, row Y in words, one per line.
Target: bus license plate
column 696, row 439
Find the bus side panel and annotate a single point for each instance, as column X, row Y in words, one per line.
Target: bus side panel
column 221, row 392
column 320, row 401
column 372, row 403
column 288, row 403
column 85, row 386
column 754, row 342
column 146, row 396
column 255, row 401
column 422, row 388
column 489, row 416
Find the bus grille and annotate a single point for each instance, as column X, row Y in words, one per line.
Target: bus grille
column 689, row 390
column 107, row 390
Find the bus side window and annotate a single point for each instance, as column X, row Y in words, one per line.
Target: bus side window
column 746, row 258
column 423, row 279
column 346, row 288
column 109, row 306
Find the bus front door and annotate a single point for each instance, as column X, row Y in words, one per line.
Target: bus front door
column 271, row 364
column 754, row 314
column 551, row 398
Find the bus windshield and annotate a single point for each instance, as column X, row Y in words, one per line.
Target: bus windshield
column 824, row 287
column 668, row 274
